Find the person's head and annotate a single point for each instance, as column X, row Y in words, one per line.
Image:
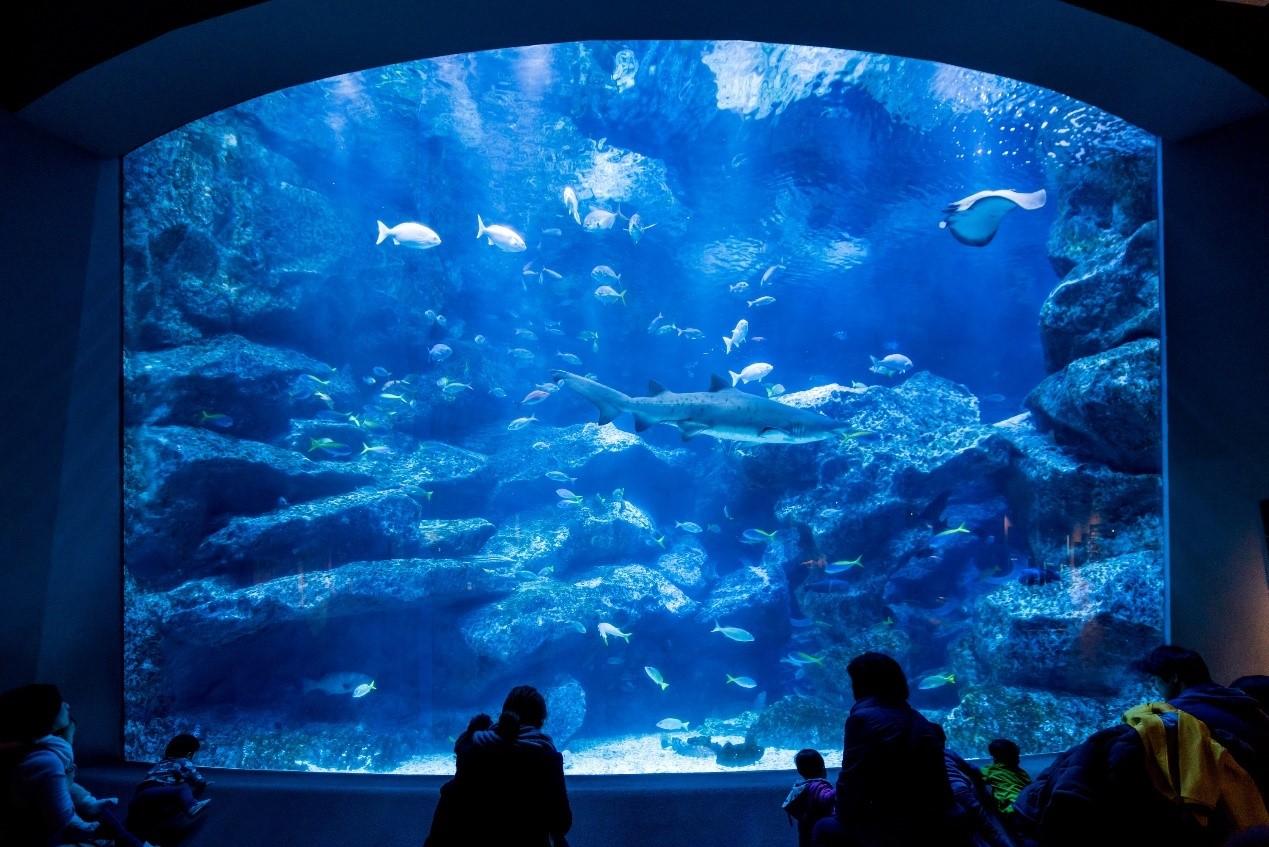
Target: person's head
column 182, row 746
column 1175, row 669
column 67, row 732
column 34, row 711
column 524, row 706
column 1255, row 686
column 877, row 675
column 1004, row 752
column 810, row 764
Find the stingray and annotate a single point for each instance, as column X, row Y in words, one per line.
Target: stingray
column 975, row 219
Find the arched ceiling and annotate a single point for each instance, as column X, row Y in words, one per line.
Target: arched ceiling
column 111, row 80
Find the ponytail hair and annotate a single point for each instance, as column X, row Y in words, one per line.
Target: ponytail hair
column 524, row 706
column 508, row 726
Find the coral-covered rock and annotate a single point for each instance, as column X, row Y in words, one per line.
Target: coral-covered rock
column 228, row 383
column 575, row 535
column 344, row 528
column 552, row 616
column 214, row 612
column 182, row 483
column 1104, row 304
column 565, row 710
column 1107, row 406
column 1039, row 721
column 1078, row 634
column 795, row 722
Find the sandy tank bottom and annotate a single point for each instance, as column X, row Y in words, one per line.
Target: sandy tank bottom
column 633, row 754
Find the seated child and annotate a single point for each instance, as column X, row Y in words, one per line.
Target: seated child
column 812, row 797
column 1005, row 776
column 167, row 799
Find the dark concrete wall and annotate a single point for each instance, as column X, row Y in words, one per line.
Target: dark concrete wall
column 1216, row 268
column 60, row 615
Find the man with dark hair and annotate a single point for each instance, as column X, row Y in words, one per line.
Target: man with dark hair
column 893, row 789
column 1234, row 719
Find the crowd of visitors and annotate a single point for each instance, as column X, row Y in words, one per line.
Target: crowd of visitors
column 1190, row 769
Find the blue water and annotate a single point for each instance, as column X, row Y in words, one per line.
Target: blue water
column 278, row 359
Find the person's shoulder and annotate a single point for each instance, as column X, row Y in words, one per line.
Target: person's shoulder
column 38, row 761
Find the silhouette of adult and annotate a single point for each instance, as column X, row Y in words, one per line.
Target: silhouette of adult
column 508, row 788
column 893, row 789
column 1234, row 717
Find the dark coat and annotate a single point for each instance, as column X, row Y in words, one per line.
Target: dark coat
column 1098, row 794
column 1235, row 721
column 808, row 802
column 976, row 818
column 893, row 787
column 504, row 793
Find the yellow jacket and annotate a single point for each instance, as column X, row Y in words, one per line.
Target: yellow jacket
column 1200, row 774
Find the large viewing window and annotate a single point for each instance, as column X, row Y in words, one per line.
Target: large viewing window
column 664, row 376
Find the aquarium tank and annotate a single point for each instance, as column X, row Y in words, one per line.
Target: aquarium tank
column 664, row 376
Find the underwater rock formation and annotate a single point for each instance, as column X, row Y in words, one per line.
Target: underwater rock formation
column 180, row 480
column 228, row 375
column 583, row 534
column 212, row 613
column 347, row 527
column 545, row 617
column 1104, row 303
column 565, row 710
column 795, row 722
column 1107, row 406
column 1101, row 202
column 1078, row 635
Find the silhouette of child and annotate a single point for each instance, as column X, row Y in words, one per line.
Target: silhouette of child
column 812, row 797
column 1005, row 775
column 167, row 800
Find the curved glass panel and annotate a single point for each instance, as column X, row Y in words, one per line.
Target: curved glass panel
column 872, row 344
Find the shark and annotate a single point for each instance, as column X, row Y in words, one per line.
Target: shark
column 722, row 412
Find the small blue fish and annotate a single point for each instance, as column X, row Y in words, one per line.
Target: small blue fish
column 757, row 536
column 956, row 530
column 689, row 526
column 834, row 568
column 742, row 681
column 607, row 629
column 216, row 419
column 735, row 633
column 936, row 680
column 655, row 676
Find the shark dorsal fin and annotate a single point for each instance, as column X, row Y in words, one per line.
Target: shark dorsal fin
column 655, row 388
column 717, row 383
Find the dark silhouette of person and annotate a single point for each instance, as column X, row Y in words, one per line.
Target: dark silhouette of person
column 508, row 788
column 166, row 808
column 1233, row 717
column 893, row 789
column 43, row 804
column 812, row 798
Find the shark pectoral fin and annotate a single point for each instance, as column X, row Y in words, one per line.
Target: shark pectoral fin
column 606, row 416
column 641, row 423
column 717, row 383
column 655, row 388
column 689, row 429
